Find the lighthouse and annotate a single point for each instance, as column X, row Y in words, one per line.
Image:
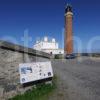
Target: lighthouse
column 68, row 41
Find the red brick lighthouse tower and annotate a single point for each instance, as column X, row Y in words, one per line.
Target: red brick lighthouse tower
column 68, row 42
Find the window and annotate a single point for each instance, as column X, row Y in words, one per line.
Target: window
column 50, row 52
column 59, row 52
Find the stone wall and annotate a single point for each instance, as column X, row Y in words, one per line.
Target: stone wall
column 11, row 56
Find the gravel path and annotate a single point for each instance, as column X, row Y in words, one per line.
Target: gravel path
column 77, row 80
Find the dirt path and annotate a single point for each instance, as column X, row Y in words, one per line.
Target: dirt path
column 77, row 80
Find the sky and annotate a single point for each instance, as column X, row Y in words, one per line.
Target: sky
column 39, row 18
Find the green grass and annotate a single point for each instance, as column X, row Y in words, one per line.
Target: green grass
column 42, row 92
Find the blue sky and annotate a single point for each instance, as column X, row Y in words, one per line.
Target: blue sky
column 46, row 18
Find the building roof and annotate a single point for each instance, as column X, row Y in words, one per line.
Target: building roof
column 68, row 8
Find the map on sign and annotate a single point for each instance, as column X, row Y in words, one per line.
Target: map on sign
column 30, row 72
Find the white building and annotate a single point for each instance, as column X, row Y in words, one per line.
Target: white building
column 51, row 47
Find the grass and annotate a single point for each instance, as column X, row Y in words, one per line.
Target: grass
column 42, row 92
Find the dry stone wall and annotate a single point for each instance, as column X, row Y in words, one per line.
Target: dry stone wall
column 11, row 56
